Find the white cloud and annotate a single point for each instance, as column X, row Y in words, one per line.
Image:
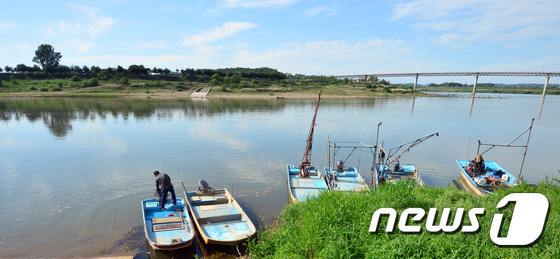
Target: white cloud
column 24, row 48
column 320, row 10
column 93, row 25
column 4, row 26
column 160, row 44
column 476, row 20
column 329, row 57
column 79, row 46
column 164, row 61
column 257, row 3
column 225, row 31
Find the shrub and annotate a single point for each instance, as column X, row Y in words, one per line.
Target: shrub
column 244, row 84
column 124, row 81
column 76, row 78
column 91, row 82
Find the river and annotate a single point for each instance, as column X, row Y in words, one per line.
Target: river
column 74, row 171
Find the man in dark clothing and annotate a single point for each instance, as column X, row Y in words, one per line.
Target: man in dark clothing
column 164, row 186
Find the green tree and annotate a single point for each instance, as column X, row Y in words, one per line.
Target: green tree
column 216, row 79
column 235, row 79
column 46, row 56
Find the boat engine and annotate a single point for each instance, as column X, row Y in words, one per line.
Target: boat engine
column 340, row 166
column 203, row 186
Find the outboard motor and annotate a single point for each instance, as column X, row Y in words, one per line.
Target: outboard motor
column 340, row 166
column 397, row 166
column 203, row 186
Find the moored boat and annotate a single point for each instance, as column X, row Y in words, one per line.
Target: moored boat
column 399, row 172
column 300, row 188
column 346, row 179
column 167, row 229
column 306, row 180
column 389, row 169
column 218, row 217
column 484, row 177
column 486, row 181
column 340, row 177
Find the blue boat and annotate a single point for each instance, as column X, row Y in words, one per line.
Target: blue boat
column 167, row 229
column 485, row 183
column 305, row 180
column 346, row 179
column 300, row 188
column 340, row 177
column 219, row 218
column 399, row 172
column 389, row 169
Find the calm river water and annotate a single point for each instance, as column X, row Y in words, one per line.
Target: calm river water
column 74, row 171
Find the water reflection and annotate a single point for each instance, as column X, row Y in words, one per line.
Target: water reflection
column 58, row 114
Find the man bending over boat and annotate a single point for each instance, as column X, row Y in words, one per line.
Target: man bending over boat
column 164, row 186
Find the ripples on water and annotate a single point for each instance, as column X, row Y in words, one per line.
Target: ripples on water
column 74, row 171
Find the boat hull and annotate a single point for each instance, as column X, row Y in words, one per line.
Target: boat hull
column 470, row 184
column 300, row 189
column 219, row 218
column 167, row 229
column 348, row 180
column 406, row 171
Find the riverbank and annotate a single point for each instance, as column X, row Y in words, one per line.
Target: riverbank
column 328, row 92
column 337, row 225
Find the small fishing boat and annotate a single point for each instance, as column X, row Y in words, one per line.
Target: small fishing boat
column 167, row 229
column 305, row 180
column 345, row 179
column 218, row 217
column 389, row 169
column 485, row 182
column 300, row 188
column 399, row 172
column 483, row 177
column 342, row 178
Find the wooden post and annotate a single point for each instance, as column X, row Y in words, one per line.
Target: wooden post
column 474, row 86
column 545, row 86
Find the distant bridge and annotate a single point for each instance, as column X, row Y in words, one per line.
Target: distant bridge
column 547, row 74
column 475, row 74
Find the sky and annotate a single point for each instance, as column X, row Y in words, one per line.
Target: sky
column 311, row 37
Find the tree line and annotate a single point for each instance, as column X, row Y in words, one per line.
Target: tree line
column 48, row 67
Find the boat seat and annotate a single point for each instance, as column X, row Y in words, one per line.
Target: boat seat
column 166, row 220
column 166, row 227
column 217, row 198
column 167, row 223
column 217, row 213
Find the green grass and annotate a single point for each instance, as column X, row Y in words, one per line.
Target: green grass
column 335, row 225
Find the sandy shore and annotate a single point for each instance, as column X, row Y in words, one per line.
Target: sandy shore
column 167, row 94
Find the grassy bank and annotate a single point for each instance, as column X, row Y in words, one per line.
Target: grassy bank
column 142, row 87
column 335, row 225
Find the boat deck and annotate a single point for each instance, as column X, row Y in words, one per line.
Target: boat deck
column 167, row 227
column 347, row 181
column 302, row 188
column 220, row 218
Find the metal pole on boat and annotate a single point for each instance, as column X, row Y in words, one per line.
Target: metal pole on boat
column 525, row 153
column 374, row 171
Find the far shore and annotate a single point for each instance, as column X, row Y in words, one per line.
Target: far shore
column 171, row 94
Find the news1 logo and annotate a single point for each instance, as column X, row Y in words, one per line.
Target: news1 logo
column 526, row 226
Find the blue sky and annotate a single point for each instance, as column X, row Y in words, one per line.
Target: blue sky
column 294, row 36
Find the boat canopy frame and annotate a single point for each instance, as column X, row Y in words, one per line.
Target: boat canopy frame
column 510, row 144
